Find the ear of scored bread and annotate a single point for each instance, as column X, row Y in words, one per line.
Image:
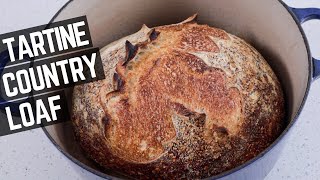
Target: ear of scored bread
column 191, row 19
column 131, row 49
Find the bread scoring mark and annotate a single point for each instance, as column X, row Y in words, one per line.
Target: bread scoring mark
column 131, row 51
column 153, row 35
column 118, row 83
column 198, row 119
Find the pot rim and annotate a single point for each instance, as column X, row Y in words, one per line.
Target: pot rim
column 226, row 173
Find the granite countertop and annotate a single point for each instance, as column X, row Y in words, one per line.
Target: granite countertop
column 31, row 155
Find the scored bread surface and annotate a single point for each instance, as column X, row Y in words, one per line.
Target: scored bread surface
column 179, row 101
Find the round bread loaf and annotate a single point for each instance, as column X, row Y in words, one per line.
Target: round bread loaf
column 179, row 101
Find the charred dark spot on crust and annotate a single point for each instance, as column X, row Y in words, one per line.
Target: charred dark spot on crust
column 196, row 118
column 180, row 109
column 105, row 120
column 118, row 83
column 220, row 130
column 131, row 51
column 154, row 34
column 124, row 102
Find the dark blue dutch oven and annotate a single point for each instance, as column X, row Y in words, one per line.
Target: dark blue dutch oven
column 270, row 26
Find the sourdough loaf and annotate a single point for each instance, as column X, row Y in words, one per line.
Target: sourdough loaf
column 179, row 101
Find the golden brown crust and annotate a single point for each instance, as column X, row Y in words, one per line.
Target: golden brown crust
column 183, row 100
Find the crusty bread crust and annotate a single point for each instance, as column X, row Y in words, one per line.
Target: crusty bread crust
column 179, row 101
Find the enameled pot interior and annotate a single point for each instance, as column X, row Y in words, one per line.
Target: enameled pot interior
column 266, row 25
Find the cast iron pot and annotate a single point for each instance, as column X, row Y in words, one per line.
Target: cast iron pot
column 270, row 26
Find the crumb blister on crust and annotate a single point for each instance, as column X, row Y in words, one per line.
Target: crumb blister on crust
column 192, row 102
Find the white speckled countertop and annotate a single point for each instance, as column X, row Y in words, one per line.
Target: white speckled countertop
column 31, row 155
